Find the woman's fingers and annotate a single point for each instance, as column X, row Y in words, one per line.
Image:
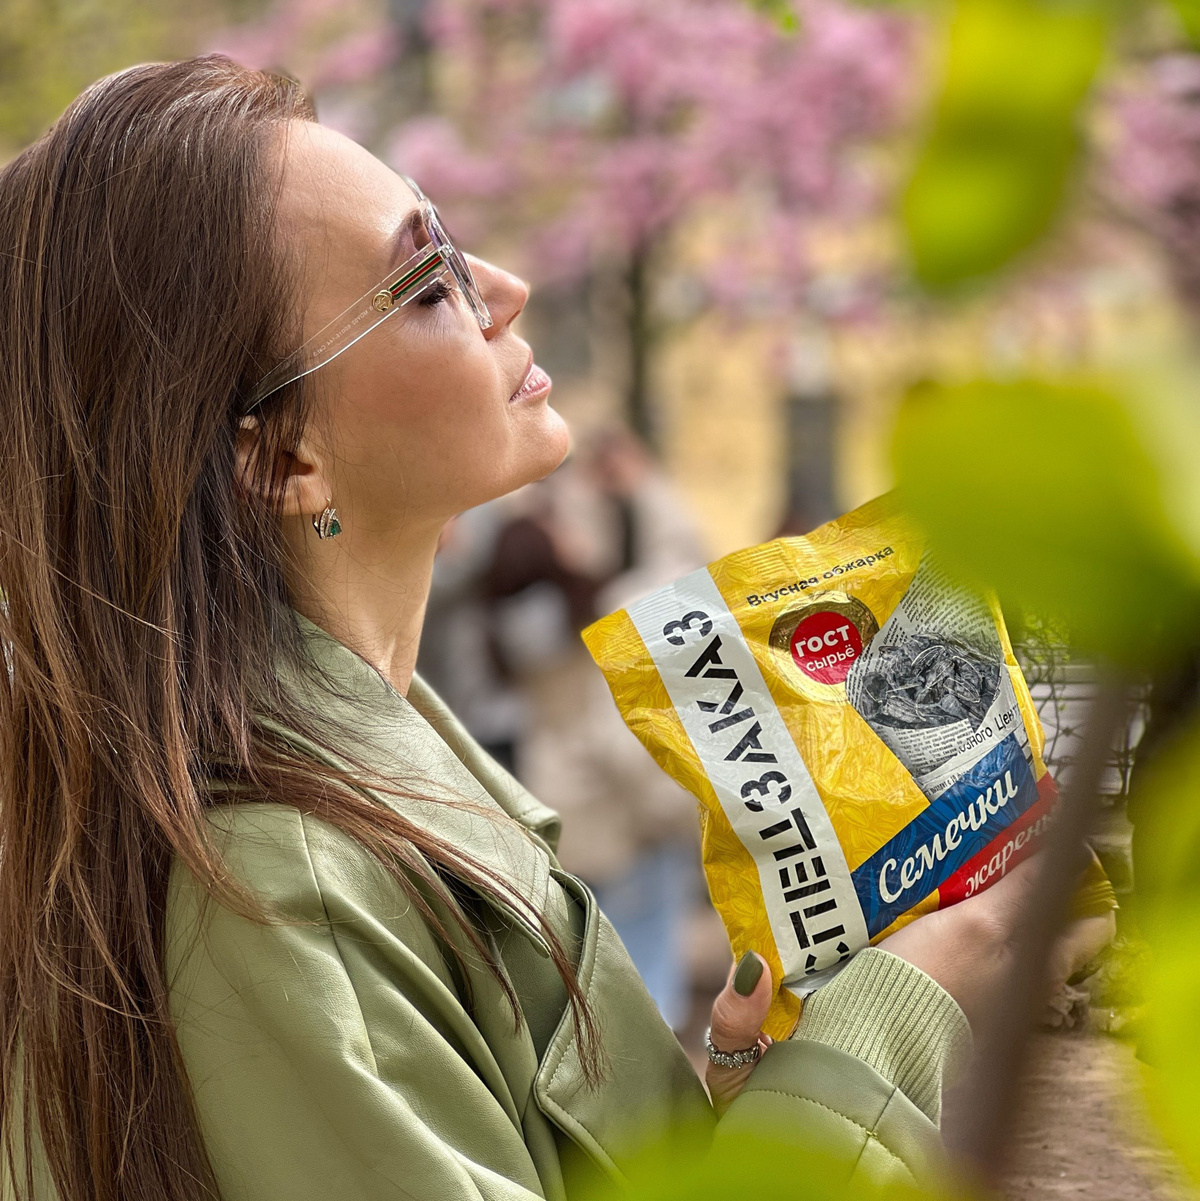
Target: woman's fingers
column 741, row 1006
column 737, row 1017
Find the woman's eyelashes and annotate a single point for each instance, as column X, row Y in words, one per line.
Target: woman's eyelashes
column 436, row 293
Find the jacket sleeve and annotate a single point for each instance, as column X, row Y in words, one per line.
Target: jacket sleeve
column 312, row 1080
column 861, row 1079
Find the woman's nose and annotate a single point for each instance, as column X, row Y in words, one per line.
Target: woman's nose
column 504, row 294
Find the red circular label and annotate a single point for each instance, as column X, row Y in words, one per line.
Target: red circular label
column 825, row 646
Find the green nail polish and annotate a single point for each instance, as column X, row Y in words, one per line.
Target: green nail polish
column 748, row 974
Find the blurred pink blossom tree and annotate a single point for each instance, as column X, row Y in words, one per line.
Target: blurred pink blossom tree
column 591, row 131
column 1152, row 168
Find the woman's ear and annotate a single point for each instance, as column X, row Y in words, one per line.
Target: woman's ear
column 301, row 473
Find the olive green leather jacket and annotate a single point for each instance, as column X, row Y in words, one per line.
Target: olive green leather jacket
column 333, row 1054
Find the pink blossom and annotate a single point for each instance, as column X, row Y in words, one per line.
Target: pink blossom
column 432, row 150
column 586, row 128
column 357, row 57
column 1153, row 164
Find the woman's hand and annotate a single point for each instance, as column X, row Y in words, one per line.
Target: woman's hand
column 968, row 948
column 737, row 1017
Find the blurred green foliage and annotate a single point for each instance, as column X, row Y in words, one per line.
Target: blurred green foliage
column 993, row 169
column 1188, row 12
column 780, row 11
column 51, row 49
column 1042, row 491
column 743, row 1168
column 1045, row 490
column 1169, row 908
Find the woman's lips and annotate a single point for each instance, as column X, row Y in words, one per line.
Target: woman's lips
column 536, row 382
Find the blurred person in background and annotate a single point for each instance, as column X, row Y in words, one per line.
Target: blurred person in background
column 272, row 923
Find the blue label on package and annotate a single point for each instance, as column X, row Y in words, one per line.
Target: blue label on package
column 955, row 827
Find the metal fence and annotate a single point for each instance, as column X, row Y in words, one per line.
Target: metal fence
column 1062, row 690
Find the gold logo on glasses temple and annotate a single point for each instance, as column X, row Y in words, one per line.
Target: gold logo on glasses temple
column 383, row 301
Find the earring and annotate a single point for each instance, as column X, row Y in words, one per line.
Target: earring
column 326, row 522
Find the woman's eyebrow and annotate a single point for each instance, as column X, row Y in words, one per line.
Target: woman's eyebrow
column 404, row 243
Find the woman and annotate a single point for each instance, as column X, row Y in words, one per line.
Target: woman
column 271, row 925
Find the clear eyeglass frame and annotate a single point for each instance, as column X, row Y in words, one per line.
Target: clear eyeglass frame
column 438, row 258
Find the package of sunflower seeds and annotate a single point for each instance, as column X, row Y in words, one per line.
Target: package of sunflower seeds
column 855, row 727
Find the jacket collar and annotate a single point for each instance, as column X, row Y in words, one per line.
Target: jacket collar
column 418, row 744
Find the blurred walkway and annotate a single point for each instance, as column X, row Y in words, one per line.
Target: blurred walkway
column 1085, row 1131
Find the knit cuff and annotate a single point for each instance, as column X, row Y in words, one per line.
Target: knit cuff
column 896, row 1019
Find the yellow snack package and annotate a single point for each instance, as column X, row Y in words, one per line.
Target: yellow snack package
column 857, row 731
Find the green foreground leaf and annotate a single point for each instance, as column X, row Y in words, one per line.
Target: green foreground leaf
column 1188, row 12
column 994, row 167
column 1044, row 493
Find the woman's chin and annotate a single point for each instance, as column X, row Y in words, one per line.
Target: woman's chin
column 561, row 437
column 532, row 455
column 545, row 447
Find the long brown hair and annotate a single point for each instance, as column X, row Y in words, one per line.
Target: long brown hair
column 144, row 613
